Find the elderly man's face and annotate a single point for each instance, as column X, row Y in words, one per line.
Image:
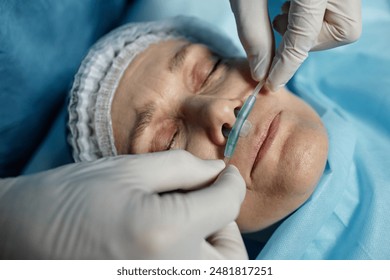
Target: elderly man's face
column 179, row 95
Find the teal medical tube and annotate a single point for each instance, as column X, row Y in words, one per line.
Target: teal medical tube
column 241, row 122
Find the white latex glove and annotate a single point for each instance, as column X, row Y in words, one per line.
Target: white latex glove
column 256, row 34
column 124, row 208
column 305, row 25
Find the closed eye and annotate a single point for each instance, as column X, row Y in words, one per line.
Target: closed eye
column 215, row 67
column 173, row 141
column 165, row 137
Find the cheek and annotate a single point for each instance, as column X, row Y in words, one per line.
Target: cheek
column 199, row 144
column 305, row 154
column 297, row 158
column 304, row 151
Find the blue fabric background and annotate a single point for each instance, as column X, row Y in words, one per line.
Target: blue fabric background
column 41, row 46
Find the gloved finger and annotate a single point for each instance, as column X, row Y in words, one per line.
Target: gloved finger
column 227, row 242
column 304, row 24
column 256, row 35
column 342, row 24
column 173, row 170
column 207, row 210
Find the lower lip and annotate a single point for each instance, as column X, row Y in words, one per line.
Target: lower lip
column 272, row 131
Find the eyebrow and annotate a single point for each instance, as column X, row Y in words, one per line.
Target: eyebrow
column 178, row 59
column 141, row 123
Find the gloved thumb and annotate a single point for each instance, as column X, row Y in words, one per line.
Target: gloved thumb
column 174, row 170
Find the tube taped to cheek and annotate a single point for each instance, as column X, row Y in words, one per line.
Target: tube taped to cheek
column 246, row 128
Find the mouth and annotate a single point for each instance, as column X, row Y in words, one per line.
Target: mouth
column 265, row 140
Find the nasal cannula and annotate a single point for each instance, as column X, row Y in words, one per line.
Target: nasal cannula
column 242, row 126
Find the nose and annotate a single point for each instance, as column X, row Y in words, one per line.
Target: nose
column 214, row 115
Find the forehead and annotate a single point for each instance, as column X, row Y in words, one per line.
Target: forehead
column 148, row 66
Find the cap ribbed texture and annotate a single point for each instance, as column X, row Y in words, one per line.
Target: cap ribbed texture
column 90, row 127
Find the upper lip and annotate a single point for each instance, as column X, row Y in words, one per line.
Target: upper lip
column 259, row 141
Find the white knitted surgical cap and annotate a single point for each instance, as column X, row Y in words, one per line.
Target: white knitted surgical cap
column 90, row 127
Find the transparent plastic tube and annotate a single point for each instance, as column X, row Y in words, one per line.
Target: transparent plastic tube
column 242, row 126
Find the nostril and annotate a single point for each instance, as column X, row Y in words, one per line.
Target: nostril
column 236, row 111
column 225, row 130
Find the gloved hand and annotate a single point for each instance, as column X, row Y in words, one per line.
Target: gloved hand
column 124, row 207
column 305, row 25
column 256, row 34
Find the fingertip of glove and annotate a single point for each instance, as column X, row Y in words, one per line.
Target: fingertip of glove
column 231, row 169
column 272, row 87
column 233, row 175
column 258, row 69
column 216, row 163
